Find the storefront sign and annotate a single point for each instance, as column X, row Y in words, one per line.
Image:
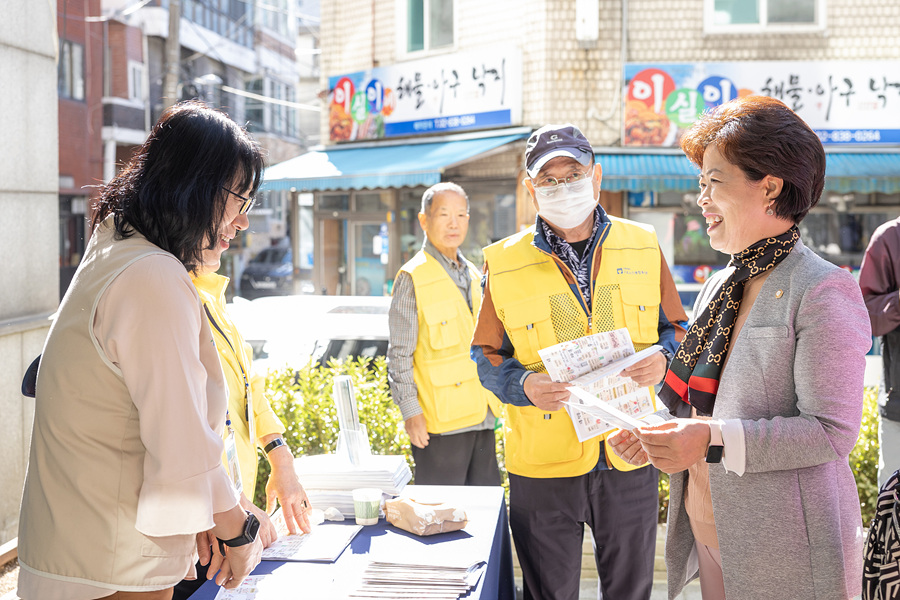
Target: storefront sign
column 845, row 102
column 446, row 93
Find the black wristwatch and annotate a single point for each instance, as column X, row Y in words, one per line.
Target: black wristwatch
column 716, row 447
column 251, row 528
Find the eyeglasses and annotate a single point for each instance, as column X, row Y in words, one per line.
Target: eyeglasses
column 548, row 186
column 248, row 202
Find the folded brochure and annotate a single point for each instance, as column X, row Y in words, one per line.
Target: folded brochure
column 592, row 364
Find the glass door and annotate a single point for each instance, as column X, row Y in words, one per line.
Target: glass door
column 369, row 250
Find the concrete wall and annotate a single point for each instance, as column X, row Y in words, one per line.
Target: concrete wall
column 29, row 279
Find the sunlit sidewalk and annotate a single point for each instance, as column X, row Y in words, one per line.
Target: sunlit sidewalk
column 589, row 572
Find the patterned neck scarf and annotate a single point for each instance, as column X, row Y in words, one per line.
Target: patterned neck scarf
column 580, row 265
column 693, row 376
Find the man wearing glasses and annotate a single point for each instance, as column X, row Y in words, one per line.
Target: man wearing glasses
column 576, row 272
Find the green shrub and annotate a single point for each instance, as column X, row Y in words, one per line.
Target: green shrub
column 864, row 457
column 303, row 401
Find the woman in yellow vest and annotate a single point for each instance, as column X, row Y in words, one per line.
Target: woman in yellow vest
column 576, row 272
column 126, row 465
column 254, row 423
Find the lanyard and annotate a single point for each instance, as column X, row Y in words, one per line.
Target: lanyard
column 250, row 424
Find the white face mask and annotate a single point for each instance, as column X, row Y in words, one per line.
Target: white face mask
column 567, row 208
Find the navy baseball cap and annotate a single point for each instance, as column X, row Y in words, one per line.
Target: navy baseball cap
column 551, row 141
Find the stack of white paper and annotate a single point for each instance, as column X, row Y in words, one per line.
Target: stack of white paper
column 322, row 499
column 432, row 581
column 328, row 478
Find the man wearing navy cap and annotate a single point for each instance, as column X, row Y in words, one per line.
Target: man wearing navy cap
column 576, row 272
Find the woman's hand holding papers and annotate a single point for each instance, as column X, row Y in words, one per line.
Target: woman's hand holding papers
column 675, row 445
column 545, row 393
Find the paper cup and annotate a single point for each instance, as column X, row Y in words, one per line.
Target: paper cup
column 366, row 505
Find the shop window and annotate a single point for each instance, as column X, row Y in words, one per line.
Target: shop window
column 272, row 117
column 274, row 16
column 429, row 24
column 411, row 236
column 232, row 19
column 373, row 202
column 253, row 108
column 135, row 81
column 842, row 237
column 70, row 80
column 657, row 199
column 334, row 202
column 740, row 16
column 504, row 216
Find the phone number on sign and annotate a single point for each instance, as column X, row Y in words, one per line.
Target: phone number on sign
column 846, row 135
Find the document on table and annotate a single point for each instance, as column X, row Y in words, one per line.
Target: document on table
column 284, row 583
column 324, row 543
column 592, row 364
column 391, row 580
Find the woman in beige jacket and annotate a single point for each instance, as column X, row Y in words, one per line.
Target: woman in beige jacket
column 125, row 467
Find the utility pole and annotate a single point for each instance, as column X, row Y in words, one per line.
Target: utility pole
column 173, row 55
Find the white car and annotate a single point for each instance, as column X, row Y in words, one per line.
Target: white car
column 295, row 330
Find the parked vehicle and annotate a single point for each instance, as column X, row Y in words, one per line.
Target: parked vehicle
column 297, row 329
column 271, row 272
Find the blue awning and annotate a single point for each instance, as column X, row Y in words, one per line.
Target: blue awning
column 863, row 173
column 378, row 166
column 647, row 173
column 845, row 172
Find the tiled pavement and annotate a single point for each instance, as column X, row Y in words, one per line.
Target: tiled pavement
column 589, row 573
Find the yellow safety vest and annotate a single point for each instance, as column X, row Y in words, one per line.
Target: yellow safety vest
column 450, row 392
column 538, row 309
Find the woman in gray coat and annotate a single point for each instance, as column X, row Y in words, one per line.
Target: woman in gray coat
column 767, row 386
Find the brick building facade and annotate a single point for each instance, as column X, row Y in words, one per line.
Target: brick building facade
column 80, row 86
column 576, row 57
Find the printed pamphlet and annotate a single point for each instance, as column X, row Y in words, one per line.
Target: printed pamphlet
column 603, row 401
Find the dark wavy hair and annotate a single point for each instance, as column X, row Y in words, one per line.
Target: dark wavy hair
column 763, row 137
column 171, row 190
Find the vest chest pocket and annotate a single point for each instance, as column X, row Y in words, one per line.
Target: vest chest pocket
column 457, row 390
column 442, row 321
column 529, row 327
column 546, row 441
column 640, row 310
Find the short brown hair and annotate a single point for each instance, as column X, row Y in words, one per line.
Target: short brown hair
column 763, row 137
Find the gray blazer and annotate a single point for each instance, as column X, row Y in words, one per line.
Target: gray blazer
column 790, row 527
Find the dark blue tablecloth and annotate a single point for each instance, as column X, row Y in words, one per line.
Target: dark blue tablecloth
column 486, row 537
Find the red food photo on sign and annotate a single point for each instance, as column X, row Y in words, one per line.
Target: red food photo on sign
column 652, row 87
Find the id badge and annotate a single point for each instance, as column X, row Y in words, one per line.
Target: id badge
column 234, row 466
